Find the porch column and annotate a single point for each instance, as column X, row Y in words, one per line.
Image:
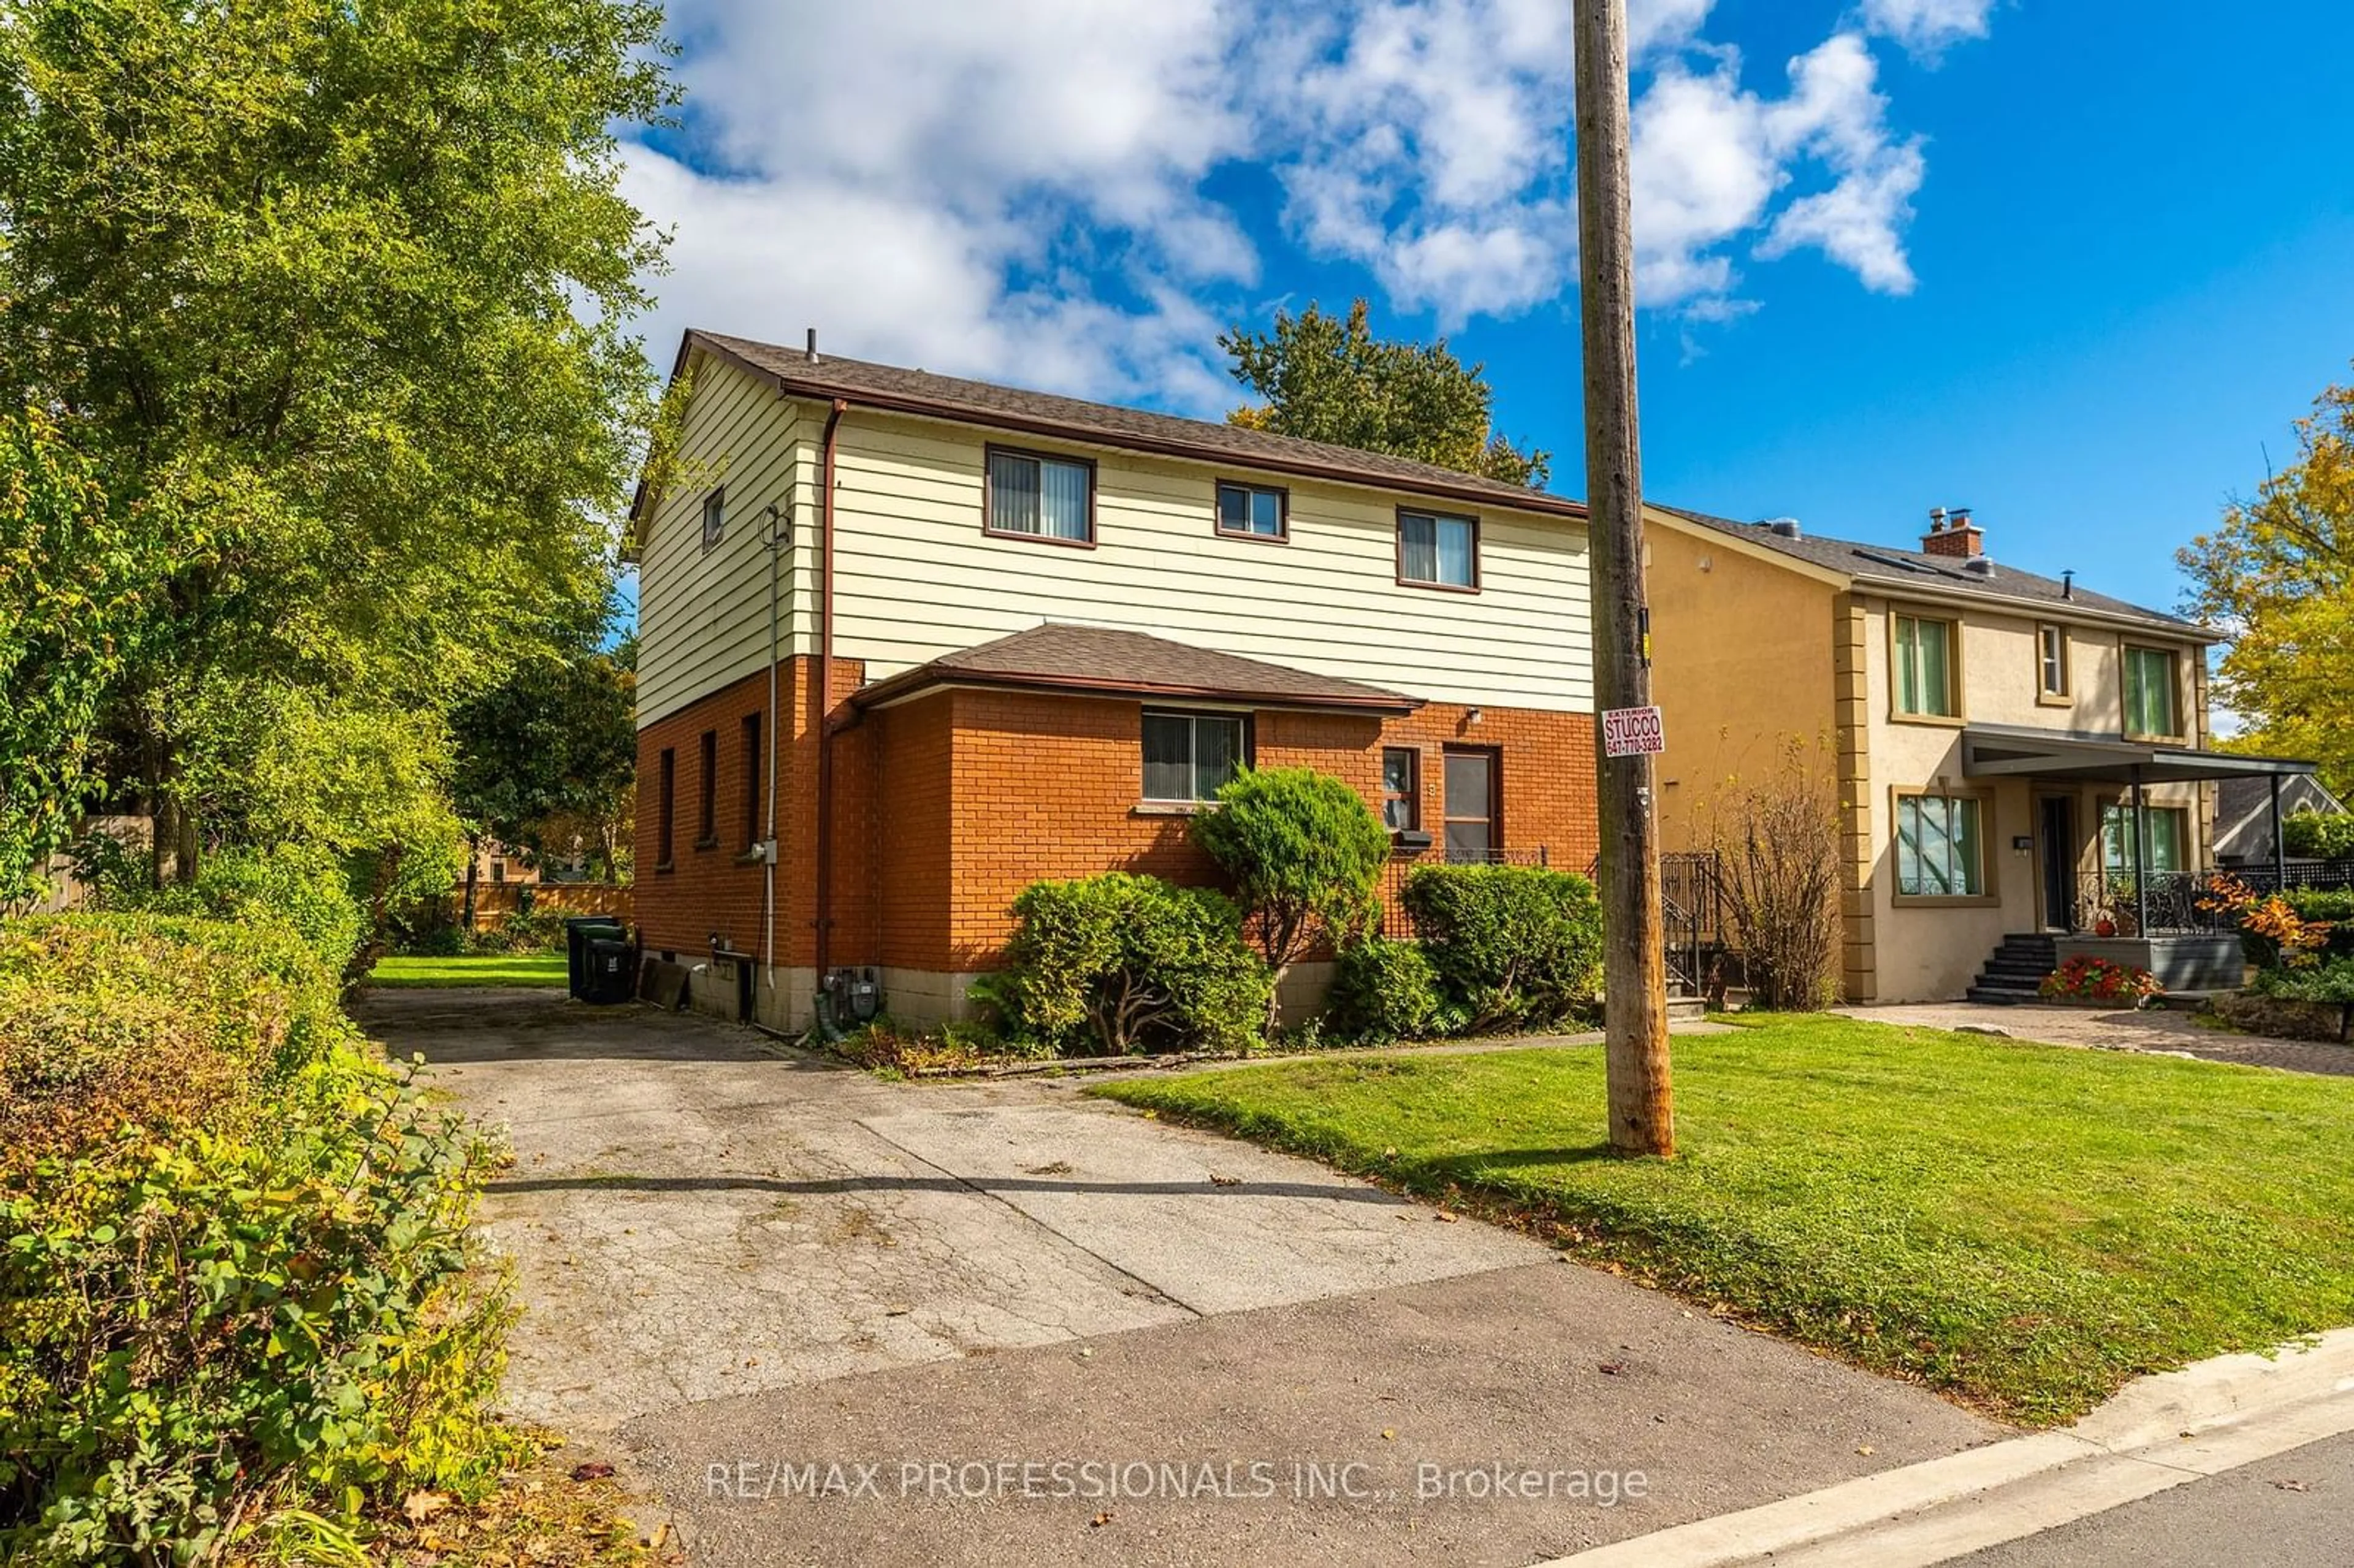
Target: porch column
column 2280, row 850
column 2141, row 873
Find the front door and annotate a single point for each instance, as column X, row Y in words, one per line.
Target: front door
column 2055, row 841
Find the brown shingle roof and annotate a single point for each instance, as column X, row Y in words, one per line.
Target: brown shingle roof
column 1093, row 659
column 1071, row 419
column 1935, row 574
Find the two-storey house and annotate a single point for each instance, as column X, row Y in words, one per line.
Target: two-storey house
column 2021, row 764
column 910, row 643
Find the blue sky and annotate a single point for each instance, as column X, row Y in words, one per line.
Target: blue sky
column 2072, row 265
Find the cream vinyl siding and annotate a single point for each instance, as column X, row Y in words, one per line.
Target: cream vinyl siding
column 914, row 578
column 703, row 616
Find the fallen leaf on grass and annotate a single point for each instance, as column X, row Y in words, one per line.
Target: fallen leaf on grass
column 422, row 1506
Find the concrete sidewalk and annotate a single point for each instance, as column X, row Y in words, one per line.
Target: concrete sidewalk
column 2160, row 1030
column 739, row 1260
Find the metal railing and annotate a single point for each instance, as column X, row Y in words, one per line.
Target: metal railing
column 1396, row 920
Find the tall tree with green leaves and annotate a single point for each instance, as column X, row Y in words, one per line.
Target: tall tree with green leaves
column 334, row 294
column 1326, row 379
column 2278, row 577
column 557, row 740
column 71, row 573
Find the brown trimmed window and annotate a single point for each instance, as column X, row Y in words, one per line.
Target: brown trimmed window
column 1189, row 756
column 751, row 779
column 1034, row 496
column 1473, row 805
column 707, row 784
column 1435, row 550
column 666, row 812
column 1254, row 511
column 1401, row 788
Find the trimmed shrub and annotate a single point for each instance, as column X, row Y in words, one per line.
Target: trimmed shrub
column 1118, row 963
column 2318, row 836
column 1514, row 946
column 2331, row 982
column 233, row 1249
column 1305, row 852
column 1387, row 990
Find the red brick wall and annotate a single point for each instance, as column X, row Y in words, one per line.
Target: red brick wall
column 949, row 806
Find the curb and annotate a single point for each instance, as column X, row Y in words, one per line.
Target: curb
column 2159, row 1433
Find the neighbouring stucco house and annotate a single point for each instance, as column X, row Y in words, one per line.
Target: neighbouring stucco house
column 1989, row 730
column 909, row 643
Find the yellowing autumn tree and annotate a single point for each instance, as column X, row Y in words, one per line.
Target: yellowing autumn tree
column 2278, row 576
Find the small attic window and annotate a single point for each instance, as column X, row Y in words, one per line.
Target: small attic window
column 715, row 517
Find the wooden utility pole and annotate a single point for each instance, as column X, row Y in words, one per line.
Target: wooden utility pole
column 1634, row 970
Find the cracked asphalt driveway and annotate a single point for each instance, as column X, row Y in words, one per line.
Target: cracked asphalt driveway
column 696, row 1213
column 740, row 1261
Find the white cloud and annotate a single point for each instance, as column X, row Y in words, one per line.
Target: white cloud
column 1927, row 26
column 1016, row 188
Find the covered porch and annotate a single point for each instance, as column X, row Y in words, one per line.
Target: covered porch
column 2131, row 884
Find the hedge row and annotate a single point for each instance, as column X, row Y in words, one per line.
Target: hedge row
column 234, row 1254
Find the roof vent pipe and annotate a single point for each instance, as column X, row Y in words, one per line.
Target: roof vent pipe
column 2068, row 585
column 1936, row 520
column 1979, row 565
column 1784, row 528
column 811, row 353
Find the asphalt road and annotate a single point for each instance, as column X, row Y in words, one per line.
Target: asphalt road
column 2293, row 1512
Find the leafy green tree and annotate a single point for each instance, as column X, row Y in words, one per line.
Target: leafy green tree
column 1305, row 852
column 335, row 295
column 71, row 572
column 1329, row 379
column 2278, row 576
column 557, row 740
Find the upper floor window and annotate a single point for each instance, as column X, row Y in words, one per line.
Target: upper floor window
column 1439, row 551
column 1401, row 788
column 1925, row 668
column 715, row 517
column 2149, row 693
column 2051, row 661
column 1031, row 496
column 1254, row 511
column 1189, row 756
column 1939, row 848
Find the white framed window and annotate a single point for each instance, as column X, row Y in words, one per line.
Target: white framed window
column 1189, row 756
column 1435, row 550
column 1031, row 496
column 2051, row 661
column 1940, row 849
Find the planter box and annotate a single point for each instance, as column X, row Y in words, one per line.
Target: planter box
column 2290, row 1019
column 2189, row 962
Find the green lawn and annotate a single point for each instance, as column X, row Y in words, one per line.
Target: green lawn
column 2024, row 1225
column 503, row 968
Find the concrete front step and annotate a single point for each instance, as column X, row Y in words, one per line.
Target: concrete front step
column 2002, row 996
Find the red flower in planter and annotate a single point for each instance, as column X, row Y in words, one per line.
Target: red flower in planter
column 2087, row 979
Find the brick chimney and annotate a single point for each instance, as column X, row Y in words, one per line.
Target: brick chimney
column 1953, row 533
